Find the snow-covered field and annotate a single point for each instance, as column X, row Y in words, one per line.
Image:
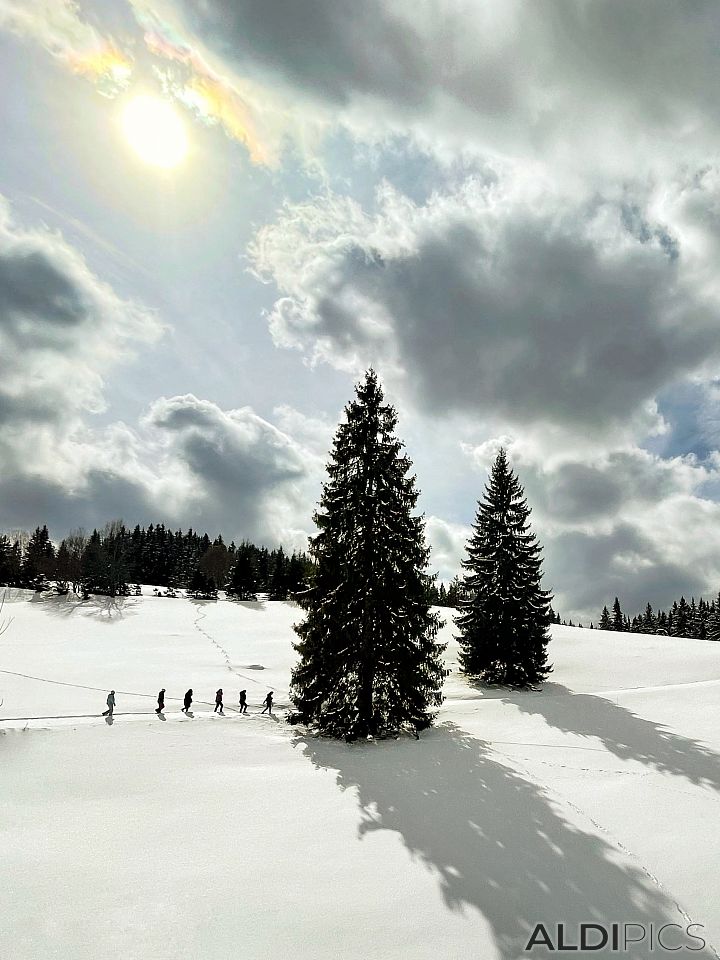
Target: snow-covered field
column 593, row 801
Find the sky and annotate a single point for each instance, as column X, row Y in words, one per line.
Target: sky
column 216, row 214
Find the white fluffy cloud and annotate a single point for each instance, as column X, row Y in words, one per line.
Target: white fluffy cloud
column 496, row 300
column 62, row 332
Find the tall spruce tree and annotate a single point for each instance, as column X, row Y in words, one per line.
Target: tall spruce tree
column 369, row 661
column 713, row 626
column 504, row 613
column 243, row 579
column 618, row 621
column 605, row 623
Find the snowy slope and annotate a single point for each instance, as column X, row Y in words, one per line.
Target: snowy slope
column 596, row 799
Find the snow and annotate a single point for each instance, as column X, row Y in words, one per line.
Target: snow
column 594, row 800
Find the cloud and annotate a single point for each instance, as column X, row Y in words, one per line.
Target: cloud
column 57, row 26
column 239, row 472
column 448, row 542
column 603, row 86
column 187, row 463
column 492, row 301
column 249, row 110
column 61, row 330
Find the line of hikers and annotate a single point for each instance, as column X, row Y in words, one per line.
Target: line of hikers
column 187, row 702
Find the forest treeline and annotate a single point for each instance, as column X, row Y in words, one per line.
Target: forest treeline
column 700, row 621
column 112, row 561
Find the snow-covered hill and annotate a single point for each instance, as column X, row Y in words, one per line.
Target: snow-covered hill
column 595, row 800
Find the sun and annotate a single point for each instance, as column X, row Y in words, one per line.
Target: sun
column 155, row 131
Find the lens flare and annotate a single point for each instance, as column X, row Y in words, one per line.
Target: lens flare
column 155, row 132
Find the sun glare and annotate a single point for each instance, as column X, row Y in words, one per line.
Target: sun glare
column 155, row 131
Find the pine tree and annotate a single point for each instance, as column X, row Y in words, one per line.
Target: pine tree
column 681, row 618
column 505, row 615
column 605, row 623
column 649, row 621
column 713, row 625
column 39, row 560
column 369, row 661
column 5, row 562
column 202, row 586
column 243, row 582
column 618, row 622
column 279, row 578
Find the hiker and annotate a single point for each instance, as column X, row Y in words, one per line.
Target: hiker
column 218, row 701
column 161, row 701
column 243, row 701
column 268, row 704
column 187, row 701
column 110, row 704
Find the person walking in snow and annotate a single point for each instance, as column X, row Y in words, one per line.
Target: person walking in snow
column 187, row 702
column 243, row 701
column 161, row 701
column 268, row 704
column 110, row 704
column 218, row 701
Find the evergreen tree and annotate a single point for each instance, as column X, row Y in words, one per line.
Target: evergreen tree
column 649, row 622
column 605, row 623
column 202, row 586
column 297, row 574
column 279, row 578
column 713, row 626
column 93, row 566
column 681, row 618
column 5, row 562
column 63, row 563
column 618, row 623
column 504, row 614
column 369, row 661
column 38, row 563
column 243, row 582
column 454, row 592
column 114, row 559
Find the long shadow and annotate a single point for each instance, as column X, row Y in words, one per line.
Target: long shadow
column 259, row 606
column 624, row 734
column 102, row 608
column 494, row 840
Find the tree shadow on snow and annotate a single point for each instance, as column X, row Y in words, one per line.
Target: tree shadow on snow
column 105, row 609
column 494, row 840
column 625, row 734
